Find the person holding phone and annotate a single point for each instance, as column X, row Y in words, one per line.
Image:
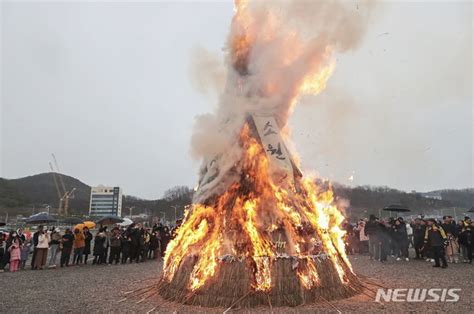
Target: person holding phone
column 42, row 249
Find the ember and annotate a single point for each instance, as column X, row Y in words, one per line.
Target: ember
column 259, row 231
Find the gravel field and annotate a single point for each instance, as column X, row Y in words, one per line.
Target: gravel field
column 104, row 289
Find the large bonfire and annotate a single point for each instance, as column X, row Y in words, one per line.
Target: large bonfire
column 258, row 231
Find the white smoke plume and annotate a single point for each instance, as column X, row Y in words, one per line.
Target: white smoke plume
column 276, row 51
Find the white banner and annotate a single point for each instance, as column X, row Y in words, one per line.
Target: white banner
column 272, row 142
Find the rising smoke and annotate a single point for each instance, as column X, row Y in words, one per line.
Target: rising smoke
column 273, row 49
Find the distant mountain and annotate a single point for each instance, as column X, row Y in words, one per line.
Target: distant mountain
column 21, row 195
column 37, row 190
column 463, row 198
column 10, row 196
column 369, row 199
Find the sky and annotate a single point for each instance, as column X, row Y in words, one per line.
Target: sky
column 109, row 88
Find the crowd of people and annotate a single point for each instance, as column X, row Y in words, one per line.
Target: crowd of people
column 47, row 247
column 439, row 242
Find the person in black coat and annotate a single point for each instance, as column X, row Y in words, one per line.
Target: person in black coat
column 8, row 243
column 141, row 245
column 372, row 231
column 135, row 244
column 419, row 228
column 126, row 245
column 35, row 243
column 165, row 239
column 99, row 247
column 67, row 241
column 437, row 240
column 400, row 239
column 384, row 239
column 466, row 240
column 88, row 239
column 153, row 246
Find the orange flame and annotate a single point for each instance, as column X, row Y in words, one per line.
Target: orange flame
column 248, row 206
column 241, row 221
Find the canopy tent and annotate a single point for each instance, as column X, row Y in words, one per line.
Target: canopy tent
column 40, row 218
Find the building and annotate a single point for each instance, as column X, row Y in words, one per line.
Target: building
column 433, row 196
column 105, row 201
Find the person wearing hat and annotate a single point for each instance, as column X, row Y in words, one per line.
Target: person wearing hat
column 437, row 239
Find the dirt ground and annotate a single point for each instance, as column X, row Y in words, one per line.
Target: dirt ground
column 107, row 289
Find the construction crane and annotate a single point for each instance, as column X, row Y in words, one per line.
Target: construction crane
column 60, row 196
column 63, row 194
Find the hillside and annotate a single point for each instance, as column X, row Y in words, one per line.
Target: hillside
column 10, row 195
column 37, row 190
column 21, row 195
column 368, row 199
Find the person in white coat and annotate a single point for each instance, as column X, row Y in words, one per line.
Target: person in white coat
column 42, row 249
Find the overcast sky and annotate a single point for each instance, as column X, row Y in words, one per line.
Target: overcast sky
column 107, row 87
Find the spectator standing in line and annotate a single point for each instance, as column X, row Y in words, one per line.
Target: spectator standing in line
column 410, row 235
column 135, row 244
column 25, row 252
column 466, row 240
column 450, row 230
column 21, row 235
column 402, row 239
column 154, row 245
column 106, row 245
column 363, row 239
column 67, row 242
column 436, row 238
column 42, row 249
column 79, row 244
column 165, row 239
column 2, row 252
column 99, row 247
column 115, row 243
column 8, row 243
column 146, row 243
column 419, row 229
column 384, row 240
column 126, row 244
column 35, row 244
column 54, row 247
column 87, row 240
column 15, row 253
column 141, row 245
column 371, row 230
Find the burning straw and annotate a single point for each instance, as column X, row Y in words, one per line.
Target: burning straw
column 258, row 232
